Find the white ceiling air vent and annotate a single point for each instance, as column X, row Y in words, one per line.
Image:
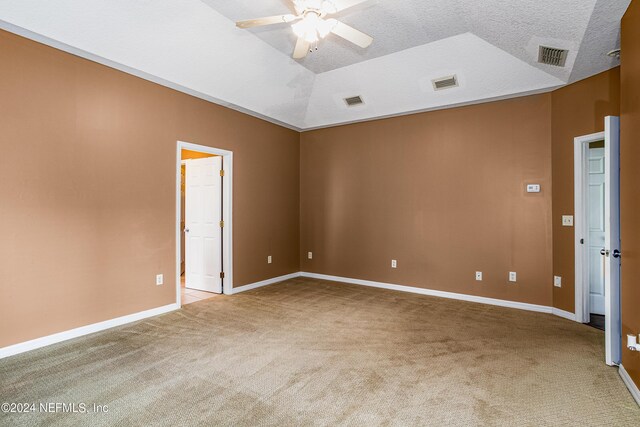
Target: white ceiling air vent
column 445, row 82
column 353, row 101
column 552, row 56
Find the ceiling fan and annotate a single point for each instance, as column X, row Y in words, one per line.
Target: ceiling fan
column 310, row 25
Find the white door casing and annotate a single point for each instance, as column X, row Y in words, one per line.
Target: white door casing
column 203, row 233
column 613, row 326
column 595, row 223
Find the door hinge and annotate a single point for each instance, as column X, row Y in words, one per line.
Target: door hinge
column 221, row 224
column 221, row 172
column 222, row 274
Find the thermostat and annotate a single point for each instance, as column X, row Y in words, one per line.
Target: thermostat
column 533, row 188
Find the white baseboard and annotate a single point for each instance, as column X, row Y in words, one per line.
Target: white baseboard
column 431, row 292
column 565, row 314
column 265, row 282
column 83, row 330
column 96, row 327
column 633, row 388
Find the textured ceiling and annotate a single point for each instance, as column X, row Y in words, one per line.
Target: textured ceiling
column 194, row 46
column 512, row 25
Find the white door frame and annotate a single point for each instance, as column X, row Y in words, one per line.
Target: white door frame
column 611, row 136
column 227, row 213
column 580, row 159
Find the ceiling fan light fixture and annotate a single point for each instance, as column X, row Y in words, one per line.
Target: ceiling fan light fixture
column 312, row 27
column 306, row 25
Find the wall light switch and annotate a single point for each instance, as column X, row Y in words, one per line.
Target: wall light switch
column 567, row 220
column 269, row 259
column 533, row 188
column 479, row 276
column 310, row 255
column 557, row 281
column 159, row 279
column 512, row 276
column 394, row 263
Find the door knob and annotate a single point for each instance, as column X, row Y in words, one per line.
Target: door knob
column 186, row 230
column 604, row 252
column 617, row 253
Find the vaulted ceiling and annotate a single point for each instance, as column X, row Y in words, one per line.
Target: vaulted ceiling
column 194, row 46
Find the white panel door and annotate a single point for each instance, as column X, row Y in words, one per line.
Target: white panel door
column 595, row 218
column 611, row 251
column 203, row 234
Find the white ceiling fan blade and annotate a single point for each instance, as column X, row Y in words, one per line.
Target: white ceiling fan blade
column 351, row 34
column 345, row 4
column 302, row 48
column 268, row 20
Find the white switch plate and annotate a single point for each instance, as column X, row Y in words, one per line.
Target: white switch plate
column 479, row 276
column 310, row 255
column 512, row 276
column 567, row 220
column 159, row 279
column 533, row 188
column 269, row 259
column 557, row 281
column 394, row 263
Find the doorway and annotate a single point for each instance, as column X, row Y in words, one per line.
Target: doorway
column 597, row 234
column 203, row 222
column 594, row 220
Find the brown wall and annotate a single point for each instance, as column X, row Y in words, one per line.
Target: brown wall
column 574, row 110
column 87, row 186
column 442, row 192
column 630, row 184
column 578, row 109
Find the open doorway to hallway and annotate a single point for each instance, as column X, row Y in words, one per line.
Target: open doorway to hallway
column 595, row 217
column 203, row 246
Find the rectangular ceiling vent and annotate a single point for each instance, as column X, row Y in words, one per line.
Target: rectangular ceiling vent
column 353, row 101
column 552, row 56
column 445, row 82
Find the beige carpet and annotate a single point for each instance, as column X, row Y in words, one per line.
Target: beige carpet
column 308, row 352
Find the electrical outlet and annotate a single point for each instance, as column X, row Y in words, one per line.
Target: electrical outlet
column 394, row 263
column 479, row 276
column 557, row 281
column 310, row 255
column 159, row 279
column 269, row 259
column 512, row 276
